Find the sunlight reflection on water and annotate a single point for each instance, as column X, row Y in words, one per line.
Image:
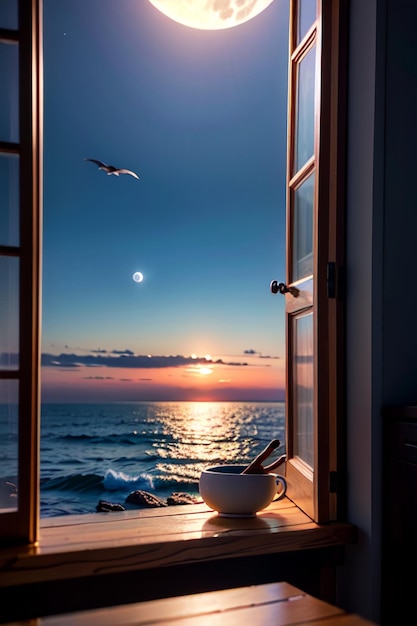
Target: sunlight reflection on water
column 107, row 450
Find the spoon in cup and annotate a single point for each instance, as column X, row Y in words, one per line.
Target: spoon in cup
column 256, row 467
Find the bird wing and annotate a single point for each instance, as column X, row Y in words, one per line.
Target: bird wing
column 123, row 171
column 110, row 169
column 99, row 163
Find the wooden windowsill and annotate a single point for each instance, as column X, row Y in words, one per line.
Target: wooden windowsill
column 73, row 547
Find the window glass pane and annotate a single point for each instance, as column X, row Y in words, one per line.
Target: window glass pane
column 8, row 444
column 304, row 123
column 9, row 14
column 9, row 313
column 9, row 200
column 306, row 17
column 9, row 92
column 303, row 229
column 303, row 388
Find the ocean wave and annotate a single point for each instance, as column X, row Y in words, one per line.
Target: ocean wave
column 74, row 482
column 118, row 439
column 95, row 483
column 113, row 439
column 120, row 482
column 172, row 483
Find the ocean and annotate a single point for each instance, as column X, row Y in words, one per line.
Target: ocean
column 93, row 452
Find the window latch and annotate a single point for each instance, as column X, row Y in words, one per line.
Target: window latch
column 331, row 279
column 282, row 288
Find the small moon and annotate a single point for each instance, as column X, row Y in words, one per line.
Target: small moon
column 137, row 277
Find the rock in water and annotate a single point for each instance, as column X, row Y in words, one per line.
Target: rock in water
column 144, row 498
column 104, row 506
column 182, row 498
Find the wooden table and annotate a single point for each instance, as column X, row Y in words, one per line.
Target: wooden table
column 274, row 604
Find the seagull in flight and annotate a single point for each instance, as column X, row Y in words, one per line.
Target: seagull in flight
column 110, row 169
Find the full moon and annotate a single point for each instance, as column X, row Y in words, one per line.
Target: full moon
column 137, row 277
column 211, row 14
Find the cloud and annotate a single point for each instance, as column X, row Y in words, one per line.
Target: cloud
column 251, row 351
column 127, row 359
column 100, row 350
column 98, row 378
column 232, row 363
column 127, row 352
column 121, row 358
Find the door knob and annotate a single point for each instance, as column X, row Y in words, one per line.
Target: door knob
column 282, row 288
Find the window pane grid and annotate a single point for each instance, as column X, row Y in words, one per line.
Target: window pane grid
column 304, row 122
column 303, row 388
column 20, row 196
column 306, row 18
column 9, row 200
column 9, row 449
column 9, row 313
column 9, row 94
column 9, row 14
column 302, row 229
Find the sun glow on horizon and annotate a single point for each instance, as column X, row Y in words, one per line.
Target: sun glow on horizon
column 202, row 370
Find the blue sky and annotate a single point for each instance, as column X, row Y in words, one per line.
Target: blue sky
column 201, row 116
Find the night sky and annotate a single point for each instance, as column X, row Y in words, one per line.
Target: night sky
column 201, row 117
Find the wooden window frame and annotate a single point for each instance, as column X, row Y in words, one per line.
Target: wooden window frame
column 23, row 526
column 320, row 491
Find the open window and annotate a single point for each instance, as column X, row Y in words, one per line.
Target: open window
column 20, row 214
column 314, row 257
column 313, row 287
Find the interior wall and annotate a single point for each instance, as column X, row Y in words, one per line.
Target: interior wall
column 359, row 589
column 400, row 242
column 381, row 244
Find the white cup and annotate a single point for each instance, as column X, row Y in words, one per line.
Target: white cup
column 233, row 494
